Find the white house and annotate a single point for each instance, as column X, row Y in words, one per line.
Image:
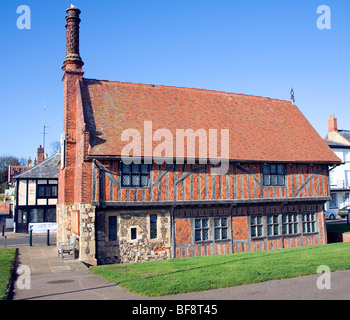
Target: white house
column 36, row 192
column 339, row 142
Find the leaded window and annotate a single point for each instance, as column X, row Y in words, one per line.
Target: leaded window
column 153, row 226
column 256, row 226
column 290, row 224
column 47, row 191
column 112, row 228
column 220, row 228
column 135, row 175
column 309, row 222
column 273, row 174
column 272, row 225
column 201, row 229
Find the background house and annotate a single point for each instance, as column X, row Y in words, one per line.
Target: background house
column 36, row 193
column 339, row 141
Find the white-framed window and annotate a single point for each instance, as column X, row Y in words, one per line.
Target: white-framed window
column 333, row 201
column 220, row 228
column 201, row 229
column 256, row 226
column 309, row 222
column 290, row 224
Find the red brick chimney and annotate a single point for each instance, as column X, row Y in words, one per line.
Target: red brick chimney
column 332, row 124
column 40, row 153
column 73, row 76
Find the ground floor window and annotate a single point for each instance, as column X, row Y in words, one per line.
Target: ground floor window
column 333, row 201
column 153, row 226
column 36, row 215
column 272, row 225
column 220, row 228
column 211, row 229
column 309, row 222
column 256, row 226
column 202, row 229
column 112, row 228
column 283, row 224
column 290, row 224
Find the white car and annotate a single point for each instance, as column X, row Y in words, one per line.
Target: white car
column 330, row 215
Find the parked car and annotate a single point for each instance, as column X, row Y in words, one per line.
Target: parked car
column 344, row 212
column 330, row 215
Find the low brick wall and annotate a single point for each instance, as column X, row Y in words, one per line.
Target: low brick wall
column 4, row 206
column 338, row 237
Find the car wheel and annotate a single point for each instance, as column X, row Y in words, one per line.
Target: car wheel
column 332, row 216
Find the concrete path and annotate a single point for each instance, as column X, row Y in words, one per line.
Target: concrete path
column 52, row 278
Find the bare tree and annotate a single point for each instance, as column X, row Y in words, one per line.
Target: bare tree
column 55, row 146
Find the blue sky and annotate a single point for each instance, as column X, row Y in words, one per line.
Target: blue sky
column 253, row 47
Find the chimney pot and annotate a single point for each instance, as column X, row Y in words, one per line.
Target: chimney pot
column 40, row 154
column 73, row 59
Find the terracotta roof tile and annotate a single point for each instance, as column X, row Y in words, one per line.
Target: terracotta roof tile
column 261, row 129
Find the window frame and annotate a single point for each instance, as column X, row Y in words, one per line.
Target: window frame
column 200, row 228
column 221, row 227
column 255, row 226
column 273, row 224
column 134, row 173
column 47, row 187
column 268, row 172
column 305, row 223
column 133, row 233
column 153, row 225
column 291, row 223
column 300, row 224
column 109, row 229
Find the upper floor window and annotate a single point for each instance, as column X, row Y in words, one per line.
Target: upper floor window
column 47, row 191
column 135, row 175
column 273, row 174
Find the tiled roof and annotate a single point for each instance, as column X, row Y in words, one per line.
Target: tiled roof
column 261, row 129
column 345, row 134
column 16, row 170
column 46, row 169
column 333, row 144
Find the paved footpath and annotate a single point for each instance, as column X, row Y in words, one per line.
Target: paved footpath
column 55, row 279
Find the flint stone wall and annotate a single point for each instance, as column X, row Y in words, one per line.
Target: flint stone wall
column 125, row 249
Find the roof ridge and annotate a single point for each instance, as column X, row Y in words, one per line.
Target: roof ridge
column 187, row 88
column 36, row 166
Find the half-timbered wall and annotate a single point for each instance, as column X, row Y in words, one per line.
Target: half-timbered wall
column 183, row 183
column 28, row 194
column 240, row 237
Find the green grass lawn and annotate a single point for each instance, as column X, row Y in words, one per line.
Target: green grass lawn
column 6, row 259
column 173, row 276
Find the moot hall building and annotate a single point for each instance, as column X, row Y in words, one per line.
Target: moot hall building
column 271, row 195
